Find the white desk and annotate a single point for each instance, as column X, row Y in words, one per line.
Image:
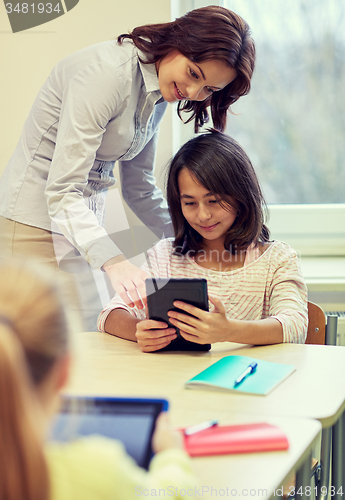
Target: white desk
column 106, row 365
column 315, row 390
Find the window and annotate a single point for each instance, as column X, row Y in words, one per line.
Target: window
column 292, row 124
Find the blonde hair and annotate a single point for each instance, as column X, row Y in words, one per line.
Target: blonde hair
column 33, row 336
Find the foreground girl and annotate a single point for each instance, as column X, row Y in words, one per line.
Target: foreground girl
column 34, row 366
column 256, row 290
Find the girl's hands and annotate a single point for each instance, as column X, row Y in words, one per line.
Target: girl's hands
column 206, row 327
column 164, row 437
column 153, row 335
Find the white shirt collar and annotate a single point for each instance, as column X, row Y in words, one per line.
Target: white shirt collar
column 149, row 73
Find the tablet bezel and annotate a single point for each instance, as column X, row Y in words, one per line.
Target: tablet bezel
column 158, row 308
column 82, row 405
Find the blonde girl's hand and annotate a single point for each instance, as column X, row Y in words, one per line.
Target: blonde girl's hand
column 205, row 327
column 153, row 335
column 164, row 437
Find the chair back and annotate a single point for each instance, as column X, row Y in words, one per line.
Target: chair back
column 316, row 333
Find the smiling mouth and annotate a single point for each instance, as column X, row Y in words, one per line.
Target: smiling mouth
column 178, row 93
column 209, row 228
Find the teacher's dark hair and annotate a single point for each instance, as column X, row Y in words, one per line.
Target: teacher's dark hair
column 204, row 34
column 220, row 165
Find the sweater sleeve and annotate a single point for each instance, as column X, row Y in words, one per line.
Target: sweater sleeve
column 98, row 467
column 288, row 295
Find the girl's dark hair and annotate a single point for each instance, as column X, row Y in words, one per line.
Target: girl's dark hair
column 201, row 35
column 220, row 165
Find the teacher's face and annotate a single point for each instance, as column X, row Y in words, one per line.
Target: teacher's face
column 181, row 79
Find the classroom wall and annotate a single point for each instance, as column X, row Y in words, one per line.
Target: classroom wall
column 27, row 57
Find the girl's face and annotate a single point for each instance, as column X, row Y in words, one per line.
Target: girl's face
column 203, row 210
column 180, row 78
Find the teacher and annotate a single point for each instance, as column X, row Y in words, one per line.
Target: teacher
column 105, row 103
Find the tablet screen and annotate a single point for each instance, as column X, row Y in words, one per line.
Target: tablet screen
column 161, row 294
column 130, row 421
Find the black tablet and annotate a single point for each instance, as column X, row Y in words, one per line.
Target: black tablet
column 161, row 294
column 131, row 421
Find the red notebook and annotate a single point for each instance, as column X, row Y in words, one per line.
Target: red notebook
column 245, row 438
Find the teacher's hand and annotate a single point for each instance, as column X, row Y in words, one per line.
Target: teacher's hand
column 127, row 280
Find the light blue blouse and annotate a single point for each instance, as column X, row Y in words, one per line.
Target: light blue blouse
column 98, row 105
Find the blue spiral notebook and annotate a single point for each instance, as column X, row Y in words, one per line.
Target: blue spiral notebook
column 222, row 375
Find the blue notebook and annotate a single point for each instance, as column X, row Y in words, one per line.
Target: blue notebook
column 223, row 373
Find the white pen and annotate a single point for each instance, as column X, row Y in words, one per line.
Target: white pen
column 193, row 429
column 250, row 369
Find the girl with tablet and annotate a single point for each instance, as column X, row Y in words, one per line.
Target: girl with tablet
column 256, row 290
column 102, row 104
column 34, row 367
